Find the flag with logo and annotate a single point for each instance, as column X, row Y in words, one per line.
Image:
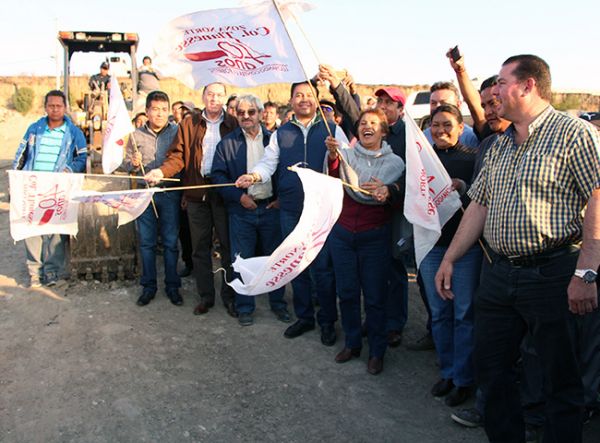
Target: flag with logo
column 323, row 196
column 40, row 203
column 129, row 204
column 244, row 46
column 118, row 127
column 429, row 199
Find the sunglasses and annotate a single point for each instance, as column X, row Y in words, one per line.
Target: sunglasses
column 250, row 112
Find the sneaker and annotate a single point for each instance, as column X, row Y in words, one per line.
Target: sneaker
column 146, row 297
column 245, row 319
column 51, row 281
column 425, row 343
column 35, row 282
column 470, row 418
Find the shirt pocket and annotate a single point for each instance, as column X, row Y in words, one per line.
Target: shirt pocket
column 538, row 170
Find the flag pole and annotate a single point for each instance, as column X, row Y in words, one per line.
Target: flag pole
column 135, row 146
column 312, row 88
column 128, row 177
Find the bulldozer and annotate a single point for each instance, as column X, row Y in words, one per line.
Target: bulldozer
column 101, row 251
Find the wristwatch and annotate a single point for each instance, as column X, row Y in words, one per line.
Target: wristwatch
column 587, row 275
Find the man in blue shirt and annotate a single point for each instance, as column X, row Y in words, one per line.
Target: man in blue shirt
column 52, row 144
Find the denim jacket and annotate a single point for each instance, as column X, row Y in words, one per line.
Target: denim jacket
column 73, row 151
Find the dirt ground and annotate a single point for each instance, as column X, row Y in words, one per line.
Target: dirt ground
column 85, row 364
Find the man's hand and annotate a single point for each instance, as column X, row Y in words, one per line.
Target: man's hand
column 274, row 204
column 154, row 176
column 136, row 159
column 443, row 280
column 327, row 73
column 332, row 147
column 583, row 297
column 245, row 181
column 247, row 202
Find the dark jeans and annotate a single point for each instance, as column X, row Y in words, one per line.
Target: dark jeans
column 167, row 206
column 396, row 305
column 185, row 238
column 509, row 302
column 361, row 261
column 325, row 280
column 247, row 230
column 203, row 216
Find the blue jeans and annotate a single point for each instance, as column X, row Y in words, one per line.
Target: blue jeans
column 361, row 261
column 46, row 255
column 247, row 230
column 167, row 206
column 452, row 322
column 323, row 272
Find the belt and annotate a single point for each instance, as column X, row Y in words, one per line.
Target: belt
column 263, row 200
column 531, row 261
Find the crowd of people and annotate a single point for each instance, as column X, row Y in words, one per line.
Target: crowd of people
column 509, row 287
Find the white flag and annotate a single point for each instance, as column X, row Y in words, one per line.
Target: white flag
column 323, row 196
column 118, row 127
column 129, row 203
column 40, row 203
column 429, row 199
column 244, row 46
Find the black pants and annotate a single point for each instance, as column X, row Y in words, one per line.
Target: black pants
column 185, row 238
column 509, row 302
column 203, row 216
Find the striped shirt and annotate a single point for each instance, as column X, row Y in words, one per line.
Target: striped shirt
column 535, row 193
column 49, row 148
column 211, row 139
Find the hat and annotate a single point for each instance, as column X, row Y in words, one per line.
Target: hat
column 395, row 94
column 328, row 103
column 104, row 65
column 189, row 106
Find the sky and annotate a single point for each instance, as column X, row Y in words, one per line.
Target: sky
column 377, row 41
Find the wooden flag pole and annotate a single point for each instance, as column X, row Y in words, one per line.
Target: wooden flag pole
column 135, row 146
column 128, row 177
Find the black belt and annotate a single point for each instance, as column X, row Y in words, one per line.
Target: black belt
column 531, row 261
column 263, row 200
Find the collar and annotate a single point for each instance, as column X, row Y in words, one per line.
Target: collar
column 539, row 120
column 249, row 137
column 61, row 128
column 314, row 120
column 218, row 120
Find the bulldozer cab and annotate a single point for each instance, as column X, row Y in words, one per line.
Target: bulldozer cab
column 89, row 109
column 101, row 250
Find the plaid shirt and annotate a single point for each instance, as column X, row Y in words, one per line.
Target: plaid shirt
column 535, row 192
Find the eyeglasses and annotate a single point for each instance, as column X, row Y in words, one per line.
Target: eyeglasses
column 250, row 112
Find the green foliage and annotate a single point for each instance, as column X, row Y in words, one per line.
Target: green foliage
column 23, row 99
column 567, row 103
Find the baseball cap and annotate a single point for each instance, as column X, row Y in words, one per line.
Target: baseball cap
column 189, row 106
column 104, row 65
column 395, row 94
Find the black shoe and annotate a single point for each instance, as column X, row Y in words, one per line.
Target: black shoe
column 394, row 339
column 145, row 298
column 442, row 387
column 532, row 433
column 471, row 418
column 245, row 319
column 298, row 328
column 231, row 309
column 186, row 271
column 175, row 297
column 457, row 396
column 282, row 315
column 328, row 336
